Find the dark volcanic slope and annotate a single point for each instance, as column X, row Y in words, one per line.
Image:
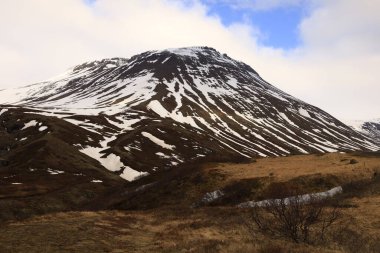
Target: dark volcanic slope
column 371, row 128
column 161, row 109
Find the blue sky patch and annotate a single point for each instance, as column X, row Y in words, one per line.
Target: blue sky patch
column 279, row 26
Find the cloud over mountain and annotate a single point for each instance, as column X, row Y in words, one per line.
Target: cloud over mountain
column 334, row 67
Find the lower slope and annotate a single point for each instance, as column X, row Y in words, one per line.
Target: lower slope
column 171, row 225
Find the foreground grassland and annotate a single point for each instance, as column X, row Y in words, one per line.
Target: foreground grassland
column 165, row 219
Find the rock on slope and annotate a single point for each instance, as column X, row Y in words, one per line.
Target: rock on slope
column 161, row 109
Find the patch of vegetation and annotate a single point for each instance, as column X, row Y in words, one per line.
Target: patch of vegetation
column 241, row 191
column 353, row 161
column 300, row 220
column 353, row 241
column 362, row 188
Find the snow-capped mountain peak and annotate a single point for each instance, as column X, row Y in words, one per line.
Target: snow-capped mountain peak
column 370, row 127
column 201, row 103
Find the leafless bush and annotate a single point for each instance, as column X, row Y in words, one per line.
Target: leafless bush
column 298, row 218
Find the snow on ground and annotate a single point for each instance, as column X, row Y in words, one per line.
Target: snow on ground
column 303, row 112
column 3, row 111
column 166, row 60
column 86, row 125
column 52, row 113
column 111, row 94
column 96, row 181
column 55, row 172
column 191, row 52
column 157, row 141
column 306, row 198
column 157, row 107
column 127, row 123
column 283, row 115
column 112, row 162
column 31, row 123
column 232, row 82
column 42, row 128
column 160, row 154
column 130, row 174
column 212, row 196
column 358, row 124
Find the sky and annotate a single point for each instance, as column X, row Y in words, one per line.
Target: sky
column 325, row 52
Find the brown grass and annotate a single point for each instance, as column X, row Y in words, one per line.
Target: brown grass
column 173, row 226
column 286, row 168
column 206, row 230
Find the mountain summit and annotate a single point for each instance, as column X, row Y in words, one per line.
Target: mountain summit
column 162, row 109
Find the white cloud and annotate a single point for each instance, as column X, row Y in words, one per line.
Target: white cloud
column 334, row 69
column 337, row 64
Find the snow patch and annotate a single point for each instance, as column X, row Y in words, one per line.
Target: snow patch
column 305, row 198
column 130, row 174
column 157, row 107
column 157, row 141
column 111, row 162
column 55, row 172
column 283, row 115
column 160, row 154
column 190, row 52
column 212, row 196
column 31, row 123
column 42, row 128
column 3, row 111
column 304, row 113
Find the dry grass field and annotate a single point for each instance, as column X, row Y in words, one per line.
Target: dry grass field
column 172, row 225
column 286, row 168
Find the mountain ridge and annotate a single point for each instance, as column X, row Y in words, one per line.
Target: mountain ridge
column 162, row 109
column 369, row 127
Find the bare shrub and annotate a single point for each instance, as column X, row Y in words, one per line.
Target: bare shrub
column 298, row 218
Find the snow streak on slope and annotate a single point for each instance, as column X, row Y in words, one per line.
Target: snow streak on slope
column 165, row 108
column 370, row 128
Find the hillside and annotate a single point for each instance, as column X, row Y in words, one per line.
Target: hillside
column 171, row 225
column 163, row 109
column 370, row 128
column 161, row 152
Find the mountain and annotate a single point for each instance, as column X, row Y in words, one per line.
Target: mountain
column 370, row 128
column 160, row 110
